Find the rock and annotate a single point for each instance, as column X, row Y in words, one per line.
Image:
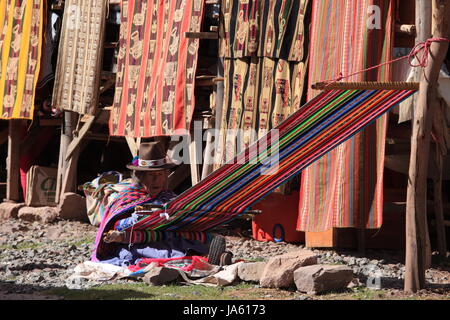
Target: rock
column 73, row 207
column 322, row 278
column 251, row 272
column 10, row 210
column 156, row 276
column 302, row 297
column 279, row 271
column 39, row 214
column 363, row 262
column 355, row 283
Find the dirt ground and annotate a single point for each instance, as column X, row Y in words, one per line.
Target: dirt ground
column 36, row 258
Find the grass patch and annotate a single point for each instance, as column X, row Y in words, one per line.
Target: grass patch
column 82, row 241
column 22, row 246
column 367, row 294
column 142, row 291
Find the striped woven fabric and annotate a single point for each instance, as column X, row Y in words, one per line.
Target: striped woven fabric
column 345, row 187
column 267, row 28
column 264, row 70
column 119, row 208
column 259, row 94
column 147, row 236
column 20, row 55
column 315, row 129
column 79, row 56
column 156, row 68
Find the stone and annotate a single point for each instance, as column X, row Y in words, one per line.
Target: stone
column 251, row 271
column 157, row 276
column 10, row 210
column 355, row 283
column 322, row 278
column 73, row 207
column 38, row 214
column 279, row 271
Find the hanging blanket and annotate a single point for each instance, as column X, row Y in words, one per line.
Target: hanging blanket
column 267, row 28
column 264, row 70
column 345, row 187
column 156, row 67
column 80, row 55
column 259, row 94
column 316, row 128
column 20, row 55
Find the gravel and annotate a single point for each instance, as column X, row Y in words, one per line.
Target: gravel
column 36, row 257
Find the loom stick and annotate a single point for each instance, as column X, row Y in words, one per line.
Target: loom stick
column 160, row 206
column 366, row 85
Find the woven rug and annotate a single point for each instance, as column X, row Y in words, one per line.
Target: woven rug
column 79, row 57
column 20, row 53
column 156, row 68
column 345, row 187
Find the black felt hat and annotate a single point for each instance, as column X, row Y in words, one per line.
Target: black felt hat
column 152, row 156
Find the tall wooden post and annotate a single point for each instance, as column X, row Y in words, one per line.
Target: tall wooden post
column 416, row 232
column 69, row 124
column 12, row 162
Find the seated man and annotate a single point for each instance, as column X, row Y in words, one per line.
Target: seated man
column 117, row 243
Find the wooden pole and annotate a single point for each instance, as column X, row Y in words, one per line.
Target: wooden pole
column 425, row 20
column 12, row 162
column 438, row 206
column 211, row 147
column 366, row 85
column 416, row 231
column 69, row 124
column 440, row 150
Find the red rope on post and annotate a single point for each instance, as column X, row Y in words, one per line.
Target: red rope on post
column 423, row 61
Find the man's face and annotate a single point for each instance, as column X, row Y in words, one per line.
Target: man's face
column 155, row 181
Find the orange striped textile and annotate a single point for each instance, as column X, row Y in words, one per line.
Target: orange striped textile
column 345, row 187
column 20, row 55
column 156, row 67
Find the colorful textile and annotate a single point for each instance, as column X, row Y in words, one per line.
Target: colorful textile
column 156, row 68
column 345, row 187
column 267, row 28
column 264, row 70
column 20, row 55
column 194, row 266
column 79, row 56
column 118, row 208
column 259, row 94
column 315, row 129
column 147, row 236
column 101, row 192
